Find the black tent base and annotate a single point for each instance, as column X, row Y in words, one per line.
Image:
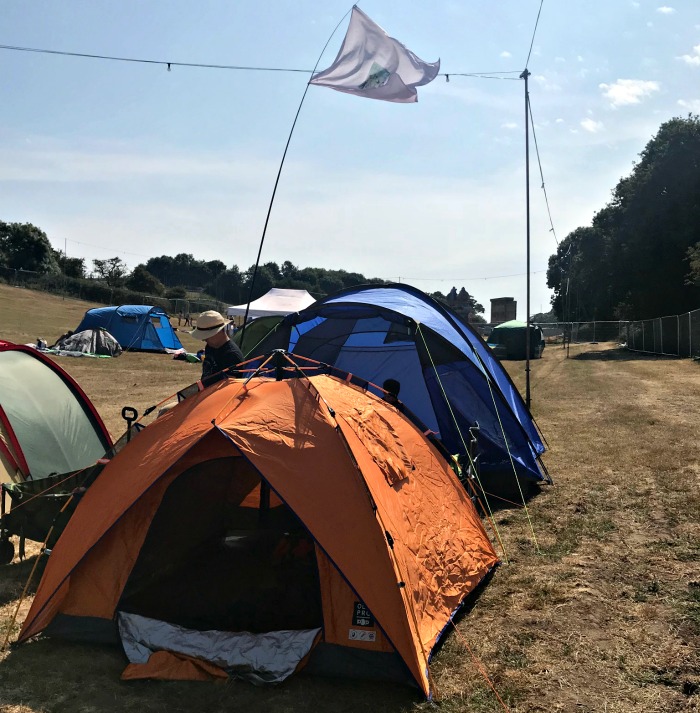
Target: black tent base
column 507, row 491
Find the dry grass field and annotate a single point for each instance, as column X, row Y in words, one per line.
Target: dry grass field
column 598, row 610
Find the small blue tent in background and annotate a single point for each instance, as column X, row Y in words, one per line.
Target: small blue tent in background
column 449, row 378
column 135, row 327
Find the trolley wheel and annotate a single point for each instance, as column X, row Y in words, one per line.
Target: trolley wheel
column 7, row 551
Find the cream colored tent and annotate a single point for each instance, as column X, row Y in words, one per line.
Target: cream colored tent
column 47, row 423
column 275, row 302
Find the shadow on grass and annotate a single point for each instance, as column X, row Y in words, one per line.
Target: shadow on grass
column 46, row 674
column 622, row 354
column 508, row 494
column 16, row 575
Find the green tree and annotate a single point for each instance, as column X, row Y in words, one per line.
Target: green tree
column 264, row 281
column 214, row 268
column 632, row 261
column 187, row 271
column 330, row 284
column 26, row 247
column 693, row 277
column 292, row 284
column 227, row 286
column 462, row 303
column 544, row 317
column 162, row 267
column 142, row 281
column 112, row 271
column 288, row 269
column 351, row 279
column 274, row 270
column 184, row 269
column 70, row 266
column 176, row 293
column 465, row 298
column 310, row 276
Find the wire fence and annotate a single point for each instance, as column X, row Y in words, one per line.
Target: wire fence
column 193, row 307
column 576, row 332
column 676, row 335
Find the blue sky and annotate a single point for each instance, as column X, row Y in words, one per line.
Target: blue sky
column 130, row 160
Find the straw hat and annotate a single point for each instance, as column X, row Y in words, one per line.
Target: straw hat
column 208, row 324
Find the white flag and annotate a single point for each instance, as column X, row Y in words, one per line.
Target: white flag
column 372, row 64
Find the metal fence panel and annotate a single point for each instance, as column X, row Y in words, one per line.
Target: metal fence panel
column 694, row 333
column 674, row 335
column 558, row 332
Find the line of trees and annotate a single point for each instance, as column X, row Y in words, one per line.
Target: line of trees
column 25, row 247
column 640, row 258
column 232, row 284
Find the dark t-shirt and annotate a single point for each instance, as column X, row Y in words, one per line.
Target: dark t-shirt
column 216, row 359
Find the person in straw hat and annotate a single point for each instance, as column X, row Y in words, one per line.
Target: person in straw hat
column 220, row 352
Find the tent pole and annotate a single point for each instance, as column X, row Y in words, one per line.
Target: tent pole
column 277, row 180
column 267, row 217
column 524, row 76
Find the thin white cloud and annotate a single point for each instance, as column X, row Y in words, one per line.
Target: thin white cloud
column 559, row 121
column 593, row 127
column 635, row 4
column 693, row 105
column 692, row 59
column 47, row 160
column 509, row 125
column 628, row 91
column 506, row 54
column 665, row 10
column 66, row 165
column 546, row 83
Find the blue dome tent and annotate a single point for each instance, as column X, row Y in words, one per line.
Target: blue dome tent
column 448, row 376
column 135, row 327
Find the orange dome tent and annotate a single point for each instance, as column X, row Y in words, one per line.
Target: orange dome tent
column 263, row 526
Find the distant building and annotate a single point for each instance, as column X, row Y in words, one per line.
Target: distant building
column 503, row 309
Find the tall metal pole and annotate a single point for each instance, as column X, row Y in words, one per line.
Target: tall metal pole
column 524, row 76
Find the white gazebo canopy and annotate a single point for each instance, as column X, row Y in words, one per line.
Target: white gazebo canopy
column 277, row 301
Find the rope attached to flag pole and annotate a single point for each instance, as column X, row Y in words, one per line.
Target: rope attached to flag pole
column 279, row 173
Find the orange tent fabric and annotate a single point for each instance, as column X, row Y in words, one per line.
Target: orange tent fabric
column 168, row 666
column 395, row 533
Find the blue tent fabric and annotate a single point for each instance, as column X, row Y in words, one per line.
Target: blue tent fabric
column 135, row 327
column 399, row 332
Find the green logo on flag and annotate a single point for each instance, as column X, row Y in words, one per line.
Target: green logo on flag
column 378, row 77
